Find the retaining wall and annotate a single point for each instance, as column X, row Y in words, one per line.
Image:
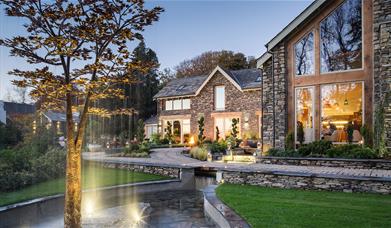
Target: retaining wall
column 330, row 162
column 307, row 181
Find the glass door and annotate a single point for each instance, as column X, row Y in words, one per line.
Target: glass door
column 304, row 114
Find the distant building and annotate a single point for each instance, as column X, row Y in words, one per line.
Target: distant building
column 8, row 110
column 57, row 121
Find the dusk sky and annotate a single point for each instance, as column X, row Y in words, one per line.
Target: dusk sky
column 188, row 28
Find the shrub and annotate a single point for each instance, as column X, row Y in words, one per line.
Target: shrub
column 315, row 149
column 50, row 165
column 290, row 141
column 218, row 147
column 21, row 167
column 367, row 135
column 140, row 133
column 278, row 152
column 199, row 153
column 351, row 151
column 155, row 138
column 300, row 132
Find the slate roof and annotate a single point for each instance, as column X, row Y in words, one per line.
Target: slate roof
column 59, row 116
column 12, row 108
column 181, row 87
column 246, row 79
column 151, row 120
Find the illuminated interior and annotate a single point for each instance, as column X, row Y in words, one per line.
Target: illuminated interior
column 225, row 126
column 341, row 104
column 305, row 112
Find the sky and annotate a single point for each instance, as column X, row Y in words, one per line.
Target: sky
column 186, row 29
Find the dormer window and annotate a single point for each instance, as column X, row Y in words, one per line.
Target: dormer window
column 259, row 78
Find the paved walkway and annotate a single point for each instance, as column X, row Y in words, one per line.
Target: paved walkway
column 173, row 157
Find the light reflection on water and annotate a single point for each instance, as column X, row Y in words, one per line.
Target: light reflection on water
column 161, row 209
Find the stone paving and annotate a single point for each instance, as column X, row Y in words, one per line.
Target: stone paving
column 174, row 157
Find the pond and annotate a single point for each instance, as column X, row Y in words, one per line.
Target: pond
column 158, row 209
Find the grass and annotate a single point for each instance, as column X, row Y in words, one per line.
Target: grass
column 271, row 207
column 93, row 176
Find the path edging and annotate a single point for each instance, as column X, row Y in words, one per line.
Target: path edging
column 219, row 213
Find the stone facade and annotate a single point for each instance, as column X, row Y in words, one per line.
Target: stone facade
column 310, row 182
column 274, row 101
column 329, row 162
column 382, row 59
column 236, row 102
column 245, row 105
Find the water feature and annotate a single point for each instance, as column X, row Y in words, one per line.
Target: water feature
column 158, row 209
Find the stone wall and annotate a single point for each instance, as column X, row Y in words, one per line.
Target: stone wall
column 382, row 59
column 158, row 170
column 329, row 162
column 245, row 103
column 275, row 99
column 310, row 182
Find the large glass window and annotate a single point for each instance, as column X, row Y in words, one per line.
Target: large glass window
column 305, row 114
column 304, row 55
column 219, row 97
column 342, row 106
column 341, row 38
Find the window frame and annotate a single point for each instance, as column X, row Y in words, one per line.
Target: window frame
column 215, row 98
column 183, row 106
column 363, row 102
column 165, row 105
column 313, row 111
column 314, row 54
column 318, row 25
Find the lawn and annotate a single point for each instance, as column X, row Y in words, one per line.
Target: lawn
column 271, row 207
column 93, row 176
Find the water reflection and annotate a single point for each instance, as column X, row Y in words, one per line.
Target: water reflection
column 159, row 209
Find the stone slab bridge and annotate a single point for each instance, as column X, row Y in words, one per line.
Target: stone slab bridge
column 170, row 161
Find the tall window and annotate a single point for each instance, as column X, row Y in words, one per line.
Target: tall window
column 341, row 38
column 304, row 55
column 342, row 109
column 305, row 113
column 219, row 97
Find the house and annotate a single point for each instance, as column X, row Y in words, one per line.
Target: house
column 327, row 71
column 57, row 121
column 9, row 110
column 219, row 97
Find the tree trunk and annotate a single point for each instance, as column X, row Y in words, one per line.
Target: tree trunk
column 72, row 210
